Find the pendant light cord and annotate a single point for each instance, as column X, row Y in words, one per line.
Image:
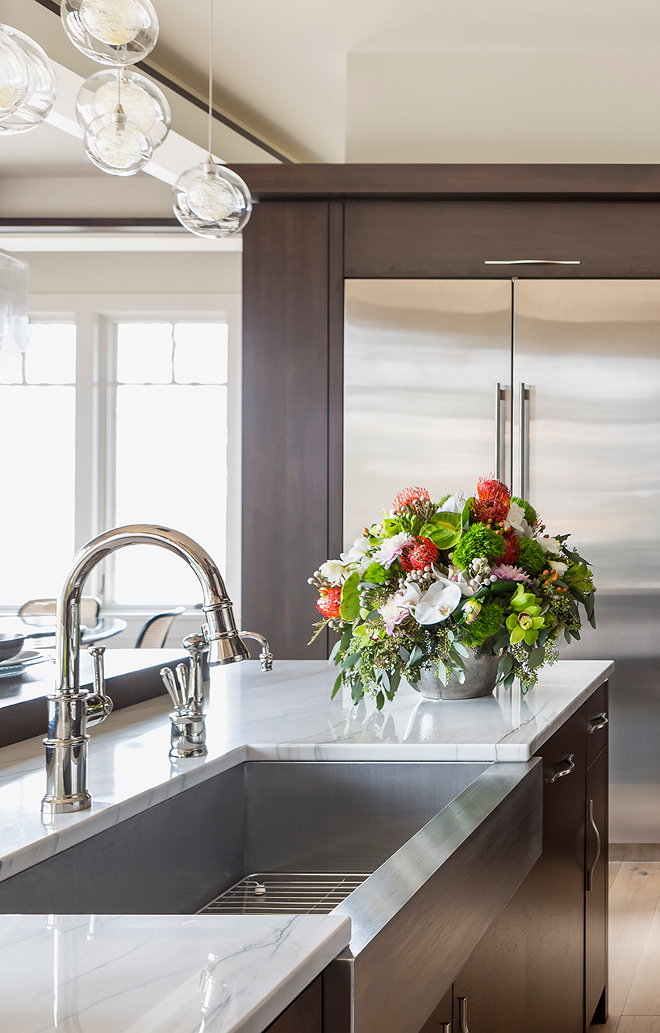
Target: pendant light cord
column 210, row 127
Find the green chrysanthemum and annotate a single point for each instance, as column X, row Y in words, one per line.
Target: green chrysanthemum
column 531, row 556
column 479, row 541
column 486, row 624
column 531, row 515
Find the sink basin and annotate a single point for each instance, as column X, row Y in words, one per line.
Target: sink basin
column 435, row 849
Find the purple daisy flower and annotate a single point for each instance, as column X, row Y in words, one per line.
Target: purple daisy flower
column 505, row 572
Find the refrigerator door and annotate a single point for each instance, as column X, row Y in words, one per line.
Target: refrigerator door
column 587, row 455
column 427, row 366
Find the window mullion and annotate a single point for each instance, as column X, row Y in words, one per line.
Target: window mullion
column 85, row 459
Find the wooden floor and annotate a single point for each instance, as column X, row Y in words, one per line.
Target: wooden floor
column 634, row 948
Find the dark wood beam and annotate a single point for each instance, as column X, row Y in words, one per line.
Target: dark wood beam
column 439, row 182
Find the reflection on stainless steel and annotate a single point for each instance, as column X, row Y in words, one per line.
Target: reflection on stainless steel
column 422, row 358
column 71, row 712
column 265, row 656
column 590, row 352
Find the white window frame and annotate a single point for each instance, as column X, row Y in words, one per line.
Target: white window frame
column 95, row 315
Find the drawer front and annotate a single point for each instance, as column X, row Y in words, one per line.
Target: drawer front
column 596, row 710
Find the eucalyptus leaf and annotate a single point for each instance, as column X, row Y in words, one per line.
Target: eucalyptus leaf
column 537, row 656
column 442, row 672
column 380, row 701
column 357, row 691
column 337, row 686
column 415, row 656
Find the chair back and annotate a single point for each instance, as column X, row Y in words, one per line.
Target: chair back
column 43, row 611
column 154, row 633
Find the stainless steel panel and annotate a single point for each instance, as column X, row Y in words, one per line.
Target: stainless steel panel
column 423, row 361
column 588, row 352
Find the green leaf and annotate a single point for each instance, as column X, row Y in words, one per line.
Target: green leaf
column 350, row 603
column 380, row 701
column 442, row 672
column 350, row 661
column 375, row 574
column 415, row 656
column 357, row 691
column 335, row 649
column 537, row 656
column 404, row 654
column 459, row 647
column 505, row 664
column 337, row 686
column 444, row 530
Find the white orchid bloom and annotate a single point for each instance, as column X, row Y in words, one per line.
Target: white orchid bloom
column 333, row 570
column 462, row 579
column 358, row 553
column 438, row 602
column 515, row 519
column 409, row 596
column 557, row 565
column 454, row 504
column 550, row 545
column 391, row 549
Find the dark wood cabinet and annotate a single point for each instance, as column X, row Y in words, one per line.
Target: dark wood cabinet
column 304, row 1015
column 542, row 966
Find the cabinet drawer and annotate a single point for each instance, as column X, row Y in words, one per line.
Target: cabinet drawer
column 596, row 710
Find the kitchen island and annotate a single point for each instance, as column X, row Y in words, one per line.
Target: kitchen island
column 253, row 717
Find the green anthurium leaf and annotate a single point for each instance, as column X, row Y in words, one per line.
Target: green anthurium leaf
column 444, row 530
column 350, row 603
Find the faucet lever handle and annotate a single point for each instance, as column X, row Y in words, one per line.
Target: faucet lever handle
column 196, row 645
column 97, row 705
column 184, row 679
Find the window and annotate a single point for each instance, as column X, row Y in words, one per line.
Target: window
column 116, row 416
column 37, row 431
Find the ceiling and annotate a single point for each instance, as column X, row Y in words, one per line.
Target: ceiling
column 393, row 80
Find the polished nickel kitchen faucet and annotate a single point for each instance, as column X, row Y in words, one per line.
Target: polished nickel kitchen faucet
column 70, row 711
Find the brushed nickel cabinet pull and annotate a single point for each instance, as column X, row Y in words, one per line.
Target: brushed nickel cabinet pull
column 570, row 766
column 462, row 1015
column 533, row 261
column 597, row 723
column 500, row 422
column 592, row 866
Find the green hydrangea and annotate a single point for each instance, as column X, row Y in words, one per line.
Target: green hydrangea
column 479, row 541
column 487, row 623
column 531, row 556
column 531, row 516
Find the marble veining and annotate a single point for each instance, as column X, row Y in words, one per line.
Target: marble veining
column 286, row 714
column 158, row 973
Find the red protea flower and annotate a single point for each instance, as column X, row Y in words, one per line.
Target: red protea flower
column 329, row 600
column 413, row 497
column 418, row 554
column 512, row 551
column 492, row 501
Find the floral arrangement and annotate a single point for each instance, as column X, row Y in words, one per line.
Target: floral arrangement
column 433, row 580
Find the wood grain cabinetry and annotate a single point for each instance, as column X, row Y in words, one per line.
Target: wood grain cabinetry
column 542, row 966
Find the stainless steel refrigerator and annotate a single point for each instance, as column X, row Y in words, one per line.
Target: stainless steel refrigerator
column 554, row 385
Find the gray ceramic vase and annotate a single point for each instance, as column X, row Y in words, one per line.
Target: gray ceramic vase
column 480, row 678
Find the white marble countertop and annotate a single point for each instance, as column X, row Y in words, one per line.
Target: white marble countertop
column 286, row 714
column 138, row 974
column 158, row 973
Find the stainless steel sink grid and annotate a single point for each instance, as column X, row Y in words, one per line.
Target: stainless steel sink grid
column 291, row 893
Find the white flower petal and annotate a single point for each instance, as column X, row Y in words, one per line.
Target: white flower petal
column 454, row 504
column 333, row 570
column 438, row 602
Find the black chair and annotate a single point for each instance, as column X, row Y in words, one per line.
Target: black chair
column 154, row 633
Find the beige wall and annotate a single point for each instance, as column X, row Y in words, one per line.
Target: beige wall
column 503, row 107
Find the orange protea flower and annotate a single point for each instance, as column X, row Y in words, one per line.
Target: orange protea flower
column 512, row 551
column 414, row 497
column 329, row 600
column 418, row 554
column 492, row 501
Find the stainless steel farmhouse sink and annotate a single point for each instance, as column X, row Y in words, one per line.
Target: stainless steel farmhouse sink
column 422, row 856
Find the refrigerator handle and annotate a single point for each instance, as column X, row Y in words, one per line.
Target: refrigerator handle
column 500, row 432
column 523, row 424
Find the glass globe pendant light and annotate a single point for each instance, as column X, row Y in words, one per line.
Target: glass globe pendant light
column 117, row 143
column 112, row 32
column 141, row 100
column 209, row 199
column 28, row 86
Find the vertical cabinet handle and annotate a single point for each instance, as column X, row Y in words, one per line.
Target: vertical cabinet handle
column 598, row 722
column 500, row 423
column 462, row 1015
column 523, row 401
column 592, row 866
column 570, row 766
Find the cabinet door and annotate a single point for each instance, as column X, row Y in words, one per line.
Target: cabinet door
column 303, row 1015
column 595, row 918
column 527, row 974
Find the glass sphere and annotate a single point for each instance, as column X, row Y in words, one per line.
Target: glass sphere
column 112, row 32
column 41, row 89
column 211, row 201
column 14, row 77
column 140, row 98
column 117, row 144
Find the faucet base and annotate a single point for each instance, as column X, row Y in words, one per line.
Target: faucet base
column 67, row 803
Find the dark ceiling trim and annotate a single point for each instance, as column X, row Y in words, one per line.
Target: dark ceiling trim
column 89, row 225
column 455, row 182
column 164, row 80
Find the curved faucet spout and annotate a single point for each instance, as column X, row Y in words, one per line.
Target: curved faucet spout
column 225, row 645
